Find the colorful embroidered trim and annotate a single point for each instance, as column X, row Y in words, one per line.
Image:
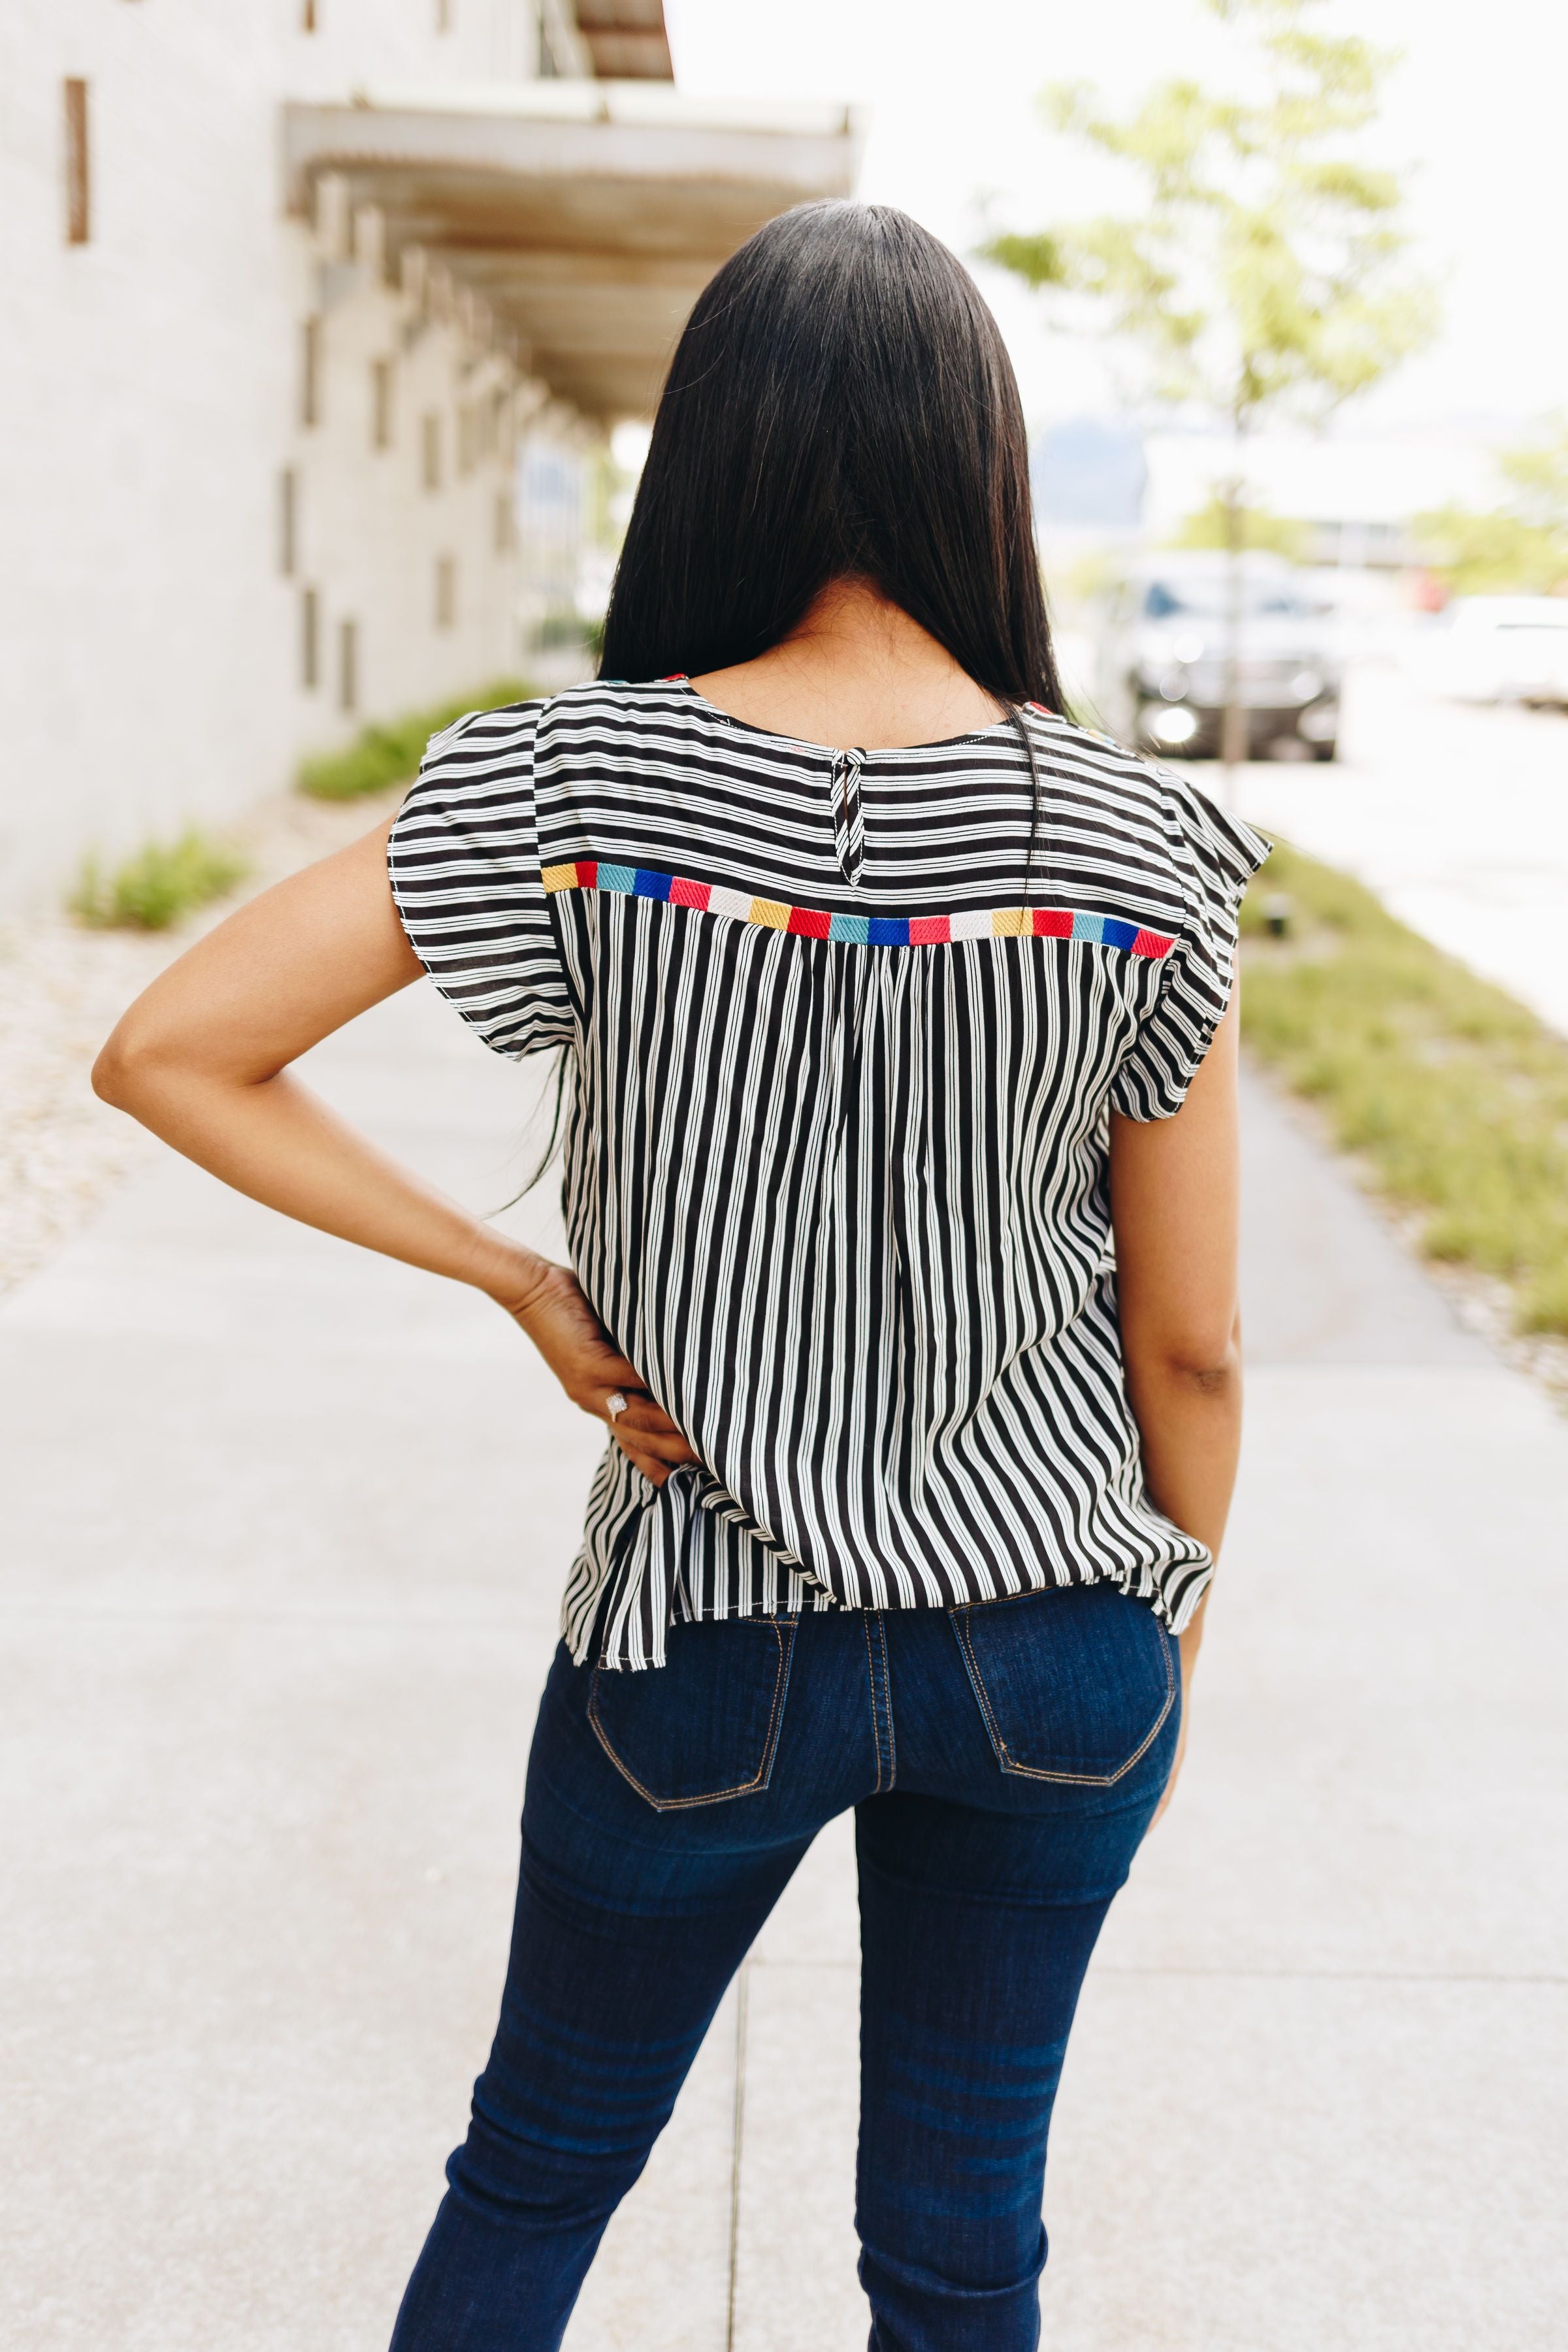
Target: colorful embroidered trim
column 858, row 930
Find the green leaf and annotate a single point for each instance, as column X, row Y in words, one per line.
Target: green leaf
column 1263, row 263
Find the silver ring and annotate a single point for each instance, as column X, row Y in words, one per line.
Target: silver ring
column 615, row 1405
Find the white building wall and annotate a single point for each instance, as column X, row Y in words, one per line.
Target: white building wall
column 372, row 532
column 149, row 402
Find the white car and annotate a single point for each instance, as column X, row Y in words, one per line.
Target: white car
column 1502, row 649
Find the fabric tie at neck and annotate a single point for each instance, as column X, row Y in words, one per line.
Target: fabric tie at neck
column 849, row 822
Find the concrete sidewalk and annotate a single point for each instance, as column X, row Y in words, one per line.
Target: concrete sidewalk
column 285, row 1530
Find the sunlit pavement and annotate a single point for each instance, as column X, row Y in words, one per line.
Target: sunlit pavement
column 1455, row 812
column 285, row 1530
column 1458, row 816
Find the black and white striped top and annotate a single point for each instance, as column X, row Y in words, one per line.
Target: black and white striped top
column 839, row 1087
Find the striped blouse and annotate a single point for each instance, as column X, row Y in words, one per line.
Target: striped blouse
column 842, row 1035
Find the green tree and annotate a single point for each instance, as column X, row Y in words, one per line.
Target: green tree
column 1481, row 554
column 1264, row 269
column 1521, row 543
column 1213, row 525
column 1538, row 469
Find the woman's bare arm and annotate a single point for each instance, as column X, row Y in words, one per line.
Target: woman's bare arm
column 1174, row 1197
column 201, row 1058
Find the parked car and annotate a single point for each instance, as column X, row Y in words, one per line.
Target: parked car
column 1161, row 670
column 1502, row 649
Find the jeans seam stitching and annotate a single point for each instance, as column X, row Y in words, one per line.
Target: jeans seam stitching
column 1036, row 1773
column 1105, row 1780
column 716, row 1796
column 871, row 1697
column 887, row 1703
column 981, row 1692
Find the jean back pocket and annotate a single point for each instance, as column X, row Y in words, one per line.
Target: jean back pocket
column 1074, row 1683
column 704, row 1726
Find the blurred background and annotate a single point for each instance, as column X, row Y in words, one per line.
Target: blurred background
column 335, row 327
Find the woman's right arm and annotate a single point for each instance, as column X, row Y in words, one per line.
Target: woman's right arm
column 203, row 1058
column 1175, row 1201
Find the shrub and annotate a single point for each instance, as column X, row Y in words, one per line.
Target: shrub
column 158, row 885
column 390, row 754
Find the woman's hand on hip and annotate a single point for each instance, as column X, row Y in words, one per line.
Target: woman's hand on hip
column 552, row 1308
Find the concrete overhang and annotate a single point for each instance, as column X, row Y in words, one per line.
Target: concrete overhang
column 626, row 39
column 588, row 214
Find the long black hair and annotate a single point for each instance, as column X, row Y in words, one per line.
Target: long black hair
column 841, row 404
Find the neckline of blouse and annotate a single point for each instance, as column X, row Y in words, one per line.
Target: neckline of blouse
column 835, row 751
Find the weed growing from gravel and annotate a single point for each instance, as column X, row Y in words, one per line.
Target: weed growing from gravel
column 1454, row 1094
column 390, row 753
column 158, row 885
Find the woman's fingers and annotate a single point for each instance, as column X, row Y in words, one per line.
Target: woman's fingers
column 647, row 1437
column 641, row 1427
column 593, row 1370
column 653, row 1470
column 647, row 1428
column 601, row 1362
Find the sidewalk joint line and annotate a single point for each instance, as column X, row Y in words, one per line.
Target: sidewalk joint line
column 1343, row 1976
column 243, row 1612
column 1263, row 1976
column 742, row 1982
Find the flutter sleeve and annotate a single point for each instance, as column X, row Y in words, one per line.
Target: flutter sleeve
column 463, row 860
column 1215, row 856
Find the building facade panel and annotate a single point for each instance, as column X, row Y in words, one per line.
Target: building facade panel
column 314, row 308
column 151, row 662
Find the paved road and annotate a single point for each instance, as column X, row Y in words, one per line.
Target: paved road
column 1455, row 815
column 284, row 1532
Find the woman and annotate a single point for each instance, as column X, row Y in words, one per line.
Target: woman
column 898, row 1029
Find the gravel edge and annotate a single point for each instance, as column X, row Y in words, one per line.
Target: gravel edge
column 63, row 987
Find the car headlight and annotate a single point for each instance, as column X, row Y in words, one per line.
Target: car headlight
column 1171, row 727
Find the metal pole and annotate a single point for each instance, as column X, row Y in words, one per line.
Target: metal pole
column 1233, row 723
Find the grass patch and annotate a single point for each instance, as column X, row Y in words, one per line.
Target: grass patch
column 1454, row 1094
column 158, row 885
column 390, row 754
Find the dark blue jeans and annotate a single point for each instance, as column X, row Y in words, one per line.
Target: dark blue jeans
column 1002, row 1763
